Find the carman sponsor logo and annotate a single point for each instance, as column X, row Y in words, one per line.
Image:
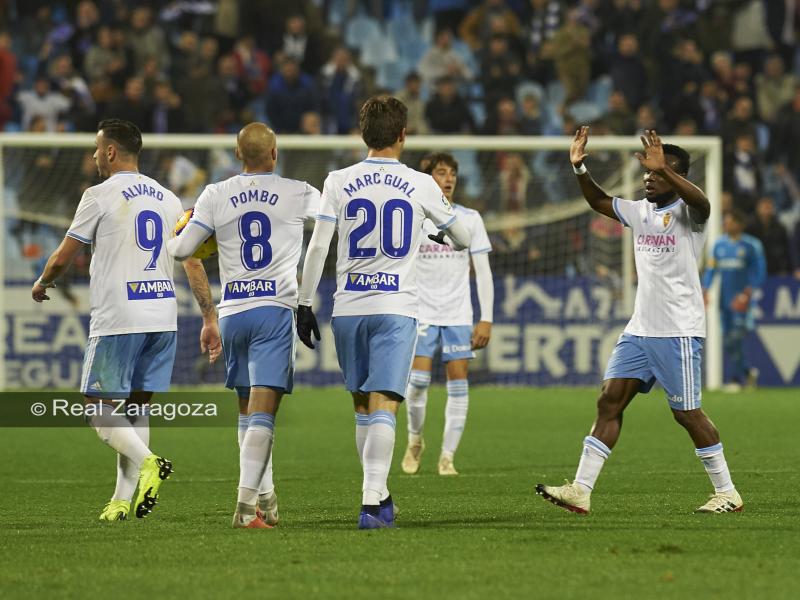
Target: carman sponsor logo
column 150, row 290
column 365, row 282
column 253, row 288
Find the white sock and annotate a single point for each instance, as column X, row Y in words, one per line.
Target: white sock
column 254, row 456
column 455, row 415
column 713, row 460
column 127, row 472
column 117, row 432
column 378, row 451
column 593, row 457
column 416, row 399
column 267, row 486
column 362, row 427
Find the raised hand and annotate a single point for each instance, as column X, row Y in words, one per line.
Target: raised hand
column 653, row 157
column 577, row 150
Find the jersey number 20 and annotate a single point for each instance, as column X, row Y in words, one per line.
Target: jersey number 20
column 391, row 210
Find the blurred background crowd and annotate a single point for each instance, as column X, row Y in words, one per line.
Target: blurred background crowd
column 490, row 67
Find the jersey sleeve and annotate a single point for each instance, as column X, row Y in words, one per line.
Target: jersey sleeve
column 203, row 214
column 329, row 202
column 436, row 206
column 87, row 216
column 626, row 210
column 480, row 239
column 312, row 202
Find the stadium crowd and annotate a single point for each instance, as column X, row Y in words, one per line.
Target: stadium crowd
column 493, row 67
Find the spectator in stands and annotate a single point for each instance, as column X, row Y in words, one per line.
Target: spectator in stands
column 132, row 105
column 8, row 77
column 628, row 72
column 742, row 173
column 749, row 36
column 209, row 53
column 687, row 67
column 647, row 118
column 447, row 14
column 87, row 21
column 447, row 111
column 739, row 122
column 147, row 39
column 341, row 92
column 570, row 52
column 786, row 133
column 530, row 122
column 543, row 23
column 722, row 69
column 42, row 102
column 475, row 29
column 503, row 120
column 442, row 61
column 774, row 88
column 253, row 65
column 620, row 119
column 70, row 83
column 711, row 104
column 186, row 54
column 410, row 95
column 686, row 127
column 291, row 93
column 515, row 184
column 664, row 23
column 773, row 237
column 204, row 101
column 167, row 114
column 237, row 96
column 104, row 60
column 150, row 76
column 309, row 165
column 500, row 71
column 783, row 24
column 304, row 47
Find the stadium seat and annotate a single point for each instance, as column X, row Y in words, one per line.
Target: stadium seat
column 360, row 31
column 392, row 74
column 527, row 88
column 600, row 90
column 378, row 51
column 585, row 112
column 469, row 172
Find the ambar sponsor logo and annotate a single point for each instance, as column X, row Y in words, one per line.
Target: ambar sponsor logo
column 365, row 282
column 254, row 288
column 150, row 290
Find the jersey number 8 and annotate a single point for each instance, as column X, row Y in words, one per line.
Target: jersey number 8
column 390, row 210
column 254, row 230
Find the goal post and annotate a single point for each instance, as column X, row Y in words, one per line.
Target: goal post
column 565, row 278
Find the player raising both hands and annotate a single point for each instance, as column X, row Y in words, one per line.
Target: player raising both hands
column 663, row 341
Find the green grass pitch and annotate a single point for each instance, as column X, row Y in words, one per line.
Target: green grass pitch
column 484, row 534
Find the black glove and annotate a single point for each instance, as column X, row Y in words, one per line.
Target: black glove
column 306, row 324
column 438, row 238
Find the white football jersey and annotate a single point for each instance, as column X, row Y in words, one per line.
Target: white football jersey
column 379, row 205
column 128, row 219
column 258, row 221
column 667, row 243
column 443, row 273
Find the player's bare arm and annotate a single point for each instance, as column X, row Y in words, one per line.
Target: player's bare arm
column 597, row 198
column 209, row 335
column 56, row 266
column 653, row 160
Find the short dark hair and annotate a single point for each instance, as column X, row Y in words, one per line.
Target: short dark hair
column 430, row 161
column 737, row 215
column 123, row 133
column 382, row 120
column 682, row 155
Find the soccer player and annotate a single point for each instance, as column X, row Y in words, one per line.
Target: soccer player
column 664, row 338
column 257, row 217
column 739, row 258
column 378, row 206
column 132, row 330
column 445, row 320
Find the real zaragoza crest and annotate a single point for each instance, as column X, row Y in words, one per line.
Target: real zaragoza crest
column 667, row 219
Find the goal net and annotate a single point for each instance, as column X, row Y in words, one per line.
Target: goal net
column 564, row 276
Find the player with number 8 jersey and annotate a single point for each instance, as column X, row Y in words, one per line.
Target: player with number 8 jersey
column 378, row 207
column 257, row 217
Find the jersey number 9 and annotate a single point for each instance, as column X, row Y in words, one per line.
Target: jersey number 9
column 150, row 235
column 393, row 209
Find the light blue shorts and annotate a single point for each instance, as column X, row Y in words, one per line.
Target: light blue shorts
column 259, row 347
column 454, row 340
column 116, row 364
column 675, row 362
column 375, row 352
